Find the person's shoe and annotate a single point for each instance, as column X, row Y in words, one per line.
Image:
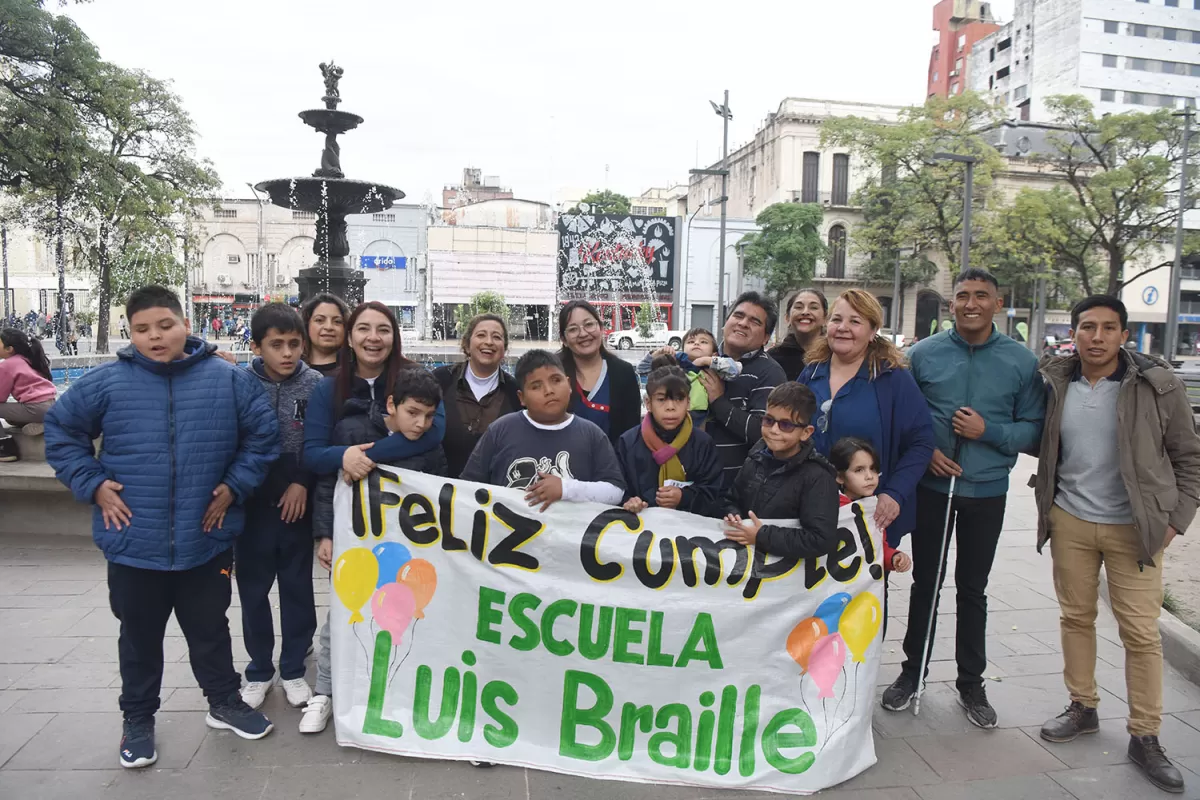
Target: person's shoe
column 137, row 744
column 255, row 692
column 1077, row 720
column 899, row 695
column 233, row 714
column 482, row 764
column 316, row 714
column 298, row 692
column 8, row 449
column 34, row 429
column 1147, row 753
column 974, row 701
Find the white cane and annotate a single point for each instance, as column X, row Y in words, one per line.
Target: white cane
column 937, row 588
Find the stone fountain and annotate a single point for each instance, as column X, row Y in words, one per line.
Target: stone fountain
column 331, row 196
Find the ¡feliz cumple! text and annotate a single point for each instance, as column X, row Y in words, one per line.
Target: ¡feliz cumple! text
column 424, row 523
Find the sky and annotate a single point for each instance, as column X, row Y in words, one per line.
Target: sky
column 545, row 95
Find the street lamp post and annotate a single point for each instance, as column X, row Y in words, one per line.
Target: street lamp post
column 1170, row 346
column 262, row 258
column 4, row 258
column 722, row 111
column 970, row 161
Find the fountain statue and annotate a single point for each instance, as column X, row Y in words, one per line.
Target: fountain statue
column 331, row 196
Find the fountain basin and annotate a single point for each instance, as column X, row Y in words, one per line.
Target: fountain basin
column 342, row 195
column 330, row 120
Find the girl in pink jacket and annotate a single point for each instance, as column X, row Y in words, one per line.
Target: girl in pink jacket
column 25, row 376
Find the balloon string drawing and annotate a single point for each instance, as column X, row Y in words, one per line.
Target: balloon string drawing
column 842, row 625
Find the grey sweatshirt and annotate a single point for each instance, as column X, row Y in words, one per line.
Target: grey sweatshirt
column 289, row 398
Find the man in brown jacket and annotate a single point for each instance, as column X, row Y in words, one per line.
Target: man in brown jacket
column 1118, row 478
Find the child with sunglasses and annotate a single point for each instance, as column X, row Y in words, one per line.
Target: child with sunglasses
column 784, row 477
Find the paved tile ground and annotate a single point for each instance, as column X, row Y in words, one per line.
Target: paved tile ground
column 59, row 722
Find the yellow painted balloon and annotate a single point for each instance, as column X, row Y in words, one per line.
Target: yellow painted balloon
column 860, row 624
column 354, row 577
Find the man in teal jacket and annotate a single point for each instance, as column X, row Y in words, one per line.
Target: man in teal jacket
column 987, row 403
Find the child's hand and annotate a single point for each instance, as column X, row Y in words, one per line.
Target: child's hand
column 668, row 497
column 636, row 504
column 355, row 464
column 742, row 531
column 214, row 516
column 325, row 553
column 294, row 502
column 112, row 507
column 546, row 489
column 702, row 361
column 901, row 562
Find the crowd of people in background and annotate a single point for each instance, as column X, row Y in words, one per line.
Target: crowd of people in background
column 725, row 428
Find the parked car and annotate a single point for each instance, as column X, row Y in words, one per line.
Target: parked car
column 895, row 338
column 660, row 335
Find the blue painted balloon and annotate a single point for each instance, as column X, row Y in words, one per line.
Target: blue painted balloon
column 828, row 612
column 391, row 556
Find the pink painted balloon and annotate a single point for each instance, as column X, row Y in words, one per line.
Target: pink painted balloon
column 392, row 607
column 825, row 662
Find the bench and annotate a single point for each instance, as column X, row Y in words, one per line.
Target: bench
column 34, row 502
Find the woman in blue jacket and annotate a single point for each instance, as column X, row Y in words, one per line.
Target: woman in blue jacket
column 863, row 390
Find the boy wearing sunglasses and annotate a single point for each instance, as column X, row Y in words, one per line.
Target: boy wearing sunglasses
column 784, row 477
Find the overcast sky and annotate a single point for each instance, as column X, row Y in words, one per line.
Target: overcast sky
column 542, row 94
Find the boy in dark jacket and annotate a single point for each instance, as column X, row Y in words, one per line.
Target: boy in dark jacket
column 277, row 544
column 187, row 439
column 667, row 461
column 784, row 477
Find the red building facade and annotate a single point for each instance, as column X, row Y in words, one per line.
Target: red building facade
column 959, row 24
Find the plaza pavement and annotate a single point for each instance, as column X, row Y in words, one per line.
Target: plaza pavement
column 59, row 723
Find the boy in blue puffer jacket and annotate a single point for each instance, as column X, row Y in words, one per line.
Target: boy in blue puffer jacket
column 187, row 439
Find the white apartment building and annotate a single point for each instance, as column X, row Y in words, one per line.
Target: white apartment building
column 1122, row 55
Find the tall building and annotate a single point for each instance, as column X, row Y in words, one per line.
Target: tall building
column 1123, row 56
column 959, row 25
column 474, row 189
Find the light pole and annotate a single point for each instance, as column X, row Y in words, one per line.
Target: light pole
column 722, row 111
column 1170, row 345
column 262, row 258
column 4, row 258
column 970, row 161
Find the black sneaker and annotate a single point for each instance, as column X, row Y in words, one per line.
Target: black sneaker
column 974, row 700
column 1072, row 723
column 8, row 449
column 137, row 743
column 1147, row 753
column 233, row 714
column 899, row 695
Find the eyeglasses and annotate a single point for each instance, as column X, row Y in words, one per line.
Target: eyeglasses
column 823, row 420
column 591, row 326
column 784, row 425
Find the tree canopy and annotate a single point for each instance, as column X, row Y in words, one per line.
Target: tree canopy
column 603, row 202
column 785, row 252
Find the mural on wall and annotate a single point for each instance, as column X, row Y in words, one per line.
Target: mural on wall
column 604, row 254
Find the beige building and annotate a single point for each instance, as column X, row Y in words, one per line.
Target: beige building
column 33, row 277
column 669, row 201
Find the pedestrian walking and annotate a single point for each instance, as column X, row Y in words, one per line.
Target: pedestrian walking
column 1118, row 478
column 985, row 397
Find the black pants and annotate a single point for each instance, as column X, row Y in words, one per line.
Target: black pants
column 977, row 522
column 143, row 599
column 270, row 550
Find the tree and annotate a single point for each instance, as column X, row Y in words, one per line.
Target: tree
column 912, row 201
column 603, row 202
column 487, row 302
column 1120, row 171
column 645, row 318
column 785, row 252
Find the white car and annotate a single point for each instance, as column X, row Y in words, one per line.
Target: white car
column 659, row 336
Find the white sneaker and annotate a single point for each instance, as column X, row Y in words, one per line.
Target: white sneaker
column 255, row 692
column 298, row 692
column 316, row 714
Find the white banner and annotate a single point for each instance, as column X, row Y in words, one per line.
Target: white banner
column 591, row 641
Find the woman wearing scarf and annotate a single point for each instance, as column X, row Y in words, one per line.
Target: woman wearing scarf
column 666, row 461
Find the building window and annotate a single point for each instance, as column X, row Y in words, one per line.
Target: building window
column 224, row 213
column 1108, row 96
column 841, row 179
column 1020, row 93
column 1195, row 69
column 962, row 41
column 1137, row 63
column 992, row 52
column 1002, row 73
column 954, row 88
column 304, row 215
column 1171, row 34
column 1139, row 30
column 958, row 64
column 837, row 252
column 1112, row 26
column 1171, row 3
column 1109, row 61
column 1134, row 99
column 1143, row 1
column 383, row 218
column 812, row 171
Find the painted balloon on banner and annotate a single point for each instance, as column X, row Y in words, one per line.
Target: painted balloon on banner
column 354, row 579
column 421, row 578
column 391, row 557
column 860, row 624
column 830, row 611
column 826, row 662
column 802, row 638
column 392, row 607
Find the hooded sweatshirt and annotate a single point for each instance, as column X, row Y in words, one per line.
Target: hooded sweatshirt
column 19, row 379
column 289, row 398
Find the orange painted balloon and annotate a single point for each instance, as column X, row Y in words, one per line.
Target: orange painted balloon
column 419, row 576
column 802, row 638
